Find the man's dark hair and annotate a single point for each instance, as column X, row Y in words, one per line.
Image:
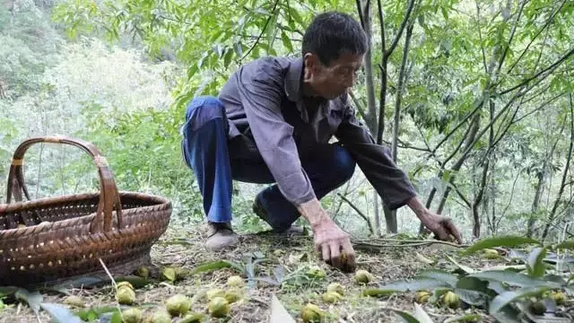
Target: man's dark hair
column 331, row 34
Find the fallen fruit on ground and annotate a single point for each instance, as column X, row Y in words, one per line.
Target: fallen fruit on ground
column 219, row 307
column 451, row 300
column 169, row 273
column 490, row 254
column 126, row 296
column 132, row 315
column 336, row 287
column 124, row 284
column 216, row 292
column 143, row 272
column 422, row 296
column 316, row 272
column 178, row 305
column 160, row 316
column 311, row 313
column 233, row 295
column 235, row 281
column 363, row 277
column 538, row 308
column 331, row 297
column 559, row 297
column 74, row 301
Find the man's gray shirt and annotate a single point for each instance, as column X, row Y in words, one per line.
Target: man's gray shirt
column 264, row 103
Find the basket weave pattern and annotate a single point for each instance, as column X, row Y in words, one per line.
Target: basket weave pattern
column 66, row 236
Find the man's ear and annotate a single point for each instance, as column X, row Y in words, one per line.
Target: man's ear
column 311, row 62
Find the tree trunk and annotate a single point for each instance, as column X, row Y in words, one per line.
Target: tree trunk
column 367, row 20
column 536, row 202
column 564, row 175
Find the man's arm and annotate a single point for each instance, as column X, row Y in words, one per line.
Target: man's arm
column 390, row 182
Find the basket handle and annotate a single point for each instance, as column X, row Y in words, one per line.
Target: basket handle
column 109, row 196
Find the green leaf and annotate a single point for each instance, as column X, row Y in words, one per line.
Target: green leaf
column 565, row 245
column 472, row 297
column 60, row 314
column 500, row 241
column 278, row 313
column 504, row 299
column 136, row 281
column 93, row 314
column 444, row 13
column 535, row 262
column 376, row 292
column 8, row 290
column 227, row 58
column 406, row 317
column 421, row 315
column 440, row 275
column 507, row 314
column 286, row 41
column 213, row 265
column 33, row 299
column 415, row 285
column 514, row 279
column 464, row 268
column 464, row 318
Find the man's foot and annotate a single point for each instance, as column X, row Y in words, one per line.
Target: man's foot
column 220, row 236
column 260, row 211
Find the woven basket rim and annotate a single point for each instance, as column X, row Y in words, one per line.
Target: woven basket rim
column 76, row 197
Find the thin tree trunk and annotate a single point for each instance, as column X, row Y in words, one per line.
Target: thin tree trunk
column 484, row 176
column 364, row 8
column 564, row 175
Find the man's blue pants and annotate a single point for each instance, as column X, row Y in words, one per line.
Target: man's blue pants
column 217, row 160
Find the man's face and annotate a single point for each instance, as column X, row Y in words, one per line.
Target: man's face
column 334, row 80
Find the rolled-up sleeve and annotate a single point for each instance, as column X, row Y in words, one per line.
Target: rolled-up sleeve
column 376, row 162
column 260, row 90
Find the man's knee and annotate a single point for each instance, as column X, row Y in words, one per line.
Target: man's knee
column 344, row 164
column 201, row 110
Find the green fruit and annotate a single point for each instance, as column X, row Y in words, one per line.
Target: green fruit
column 124, row 284
column 490, row 254
column 316, row 272
column 125, row 296
column 559, row 297
column 74, row 301
column 363, row 277
column 451, row 300
column 311, row 313
column 422, row 297
column 178, row 305
column 336, row 287
column 169, row 273
column 216, row 292
column 331, row 297
column 233, row 295
column 161, row 316
column 235, row 281
column 143, row 272
column 538, row 308
column 219, row 307
column 132, row 315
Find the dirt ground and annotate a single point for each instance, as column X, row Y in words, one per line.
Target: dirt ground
column 185, row 249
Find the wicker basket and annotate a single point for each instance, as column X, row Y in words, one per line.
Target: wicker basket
column 66, row 236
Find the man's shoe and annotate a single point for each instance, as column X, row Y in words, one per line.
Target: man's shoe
column 220, row 236
column 260, row 211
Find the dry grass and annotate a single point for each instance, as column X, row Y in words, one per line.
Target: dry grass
column 386, row 266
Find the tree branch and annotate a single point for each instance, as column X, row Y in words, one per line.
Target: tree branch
column 548, row 22
column 401, row 28
column 361, row 214
column 262, row 31
column 549, row 68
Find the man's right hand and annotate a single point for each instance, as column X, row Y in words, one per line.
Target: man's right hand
column 330, row 241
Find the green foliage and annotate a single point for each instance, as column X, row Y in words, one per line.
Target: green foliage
column 502, row 292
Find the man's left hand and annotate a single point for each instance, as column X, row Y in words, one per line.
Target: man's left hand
column 443, row 227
